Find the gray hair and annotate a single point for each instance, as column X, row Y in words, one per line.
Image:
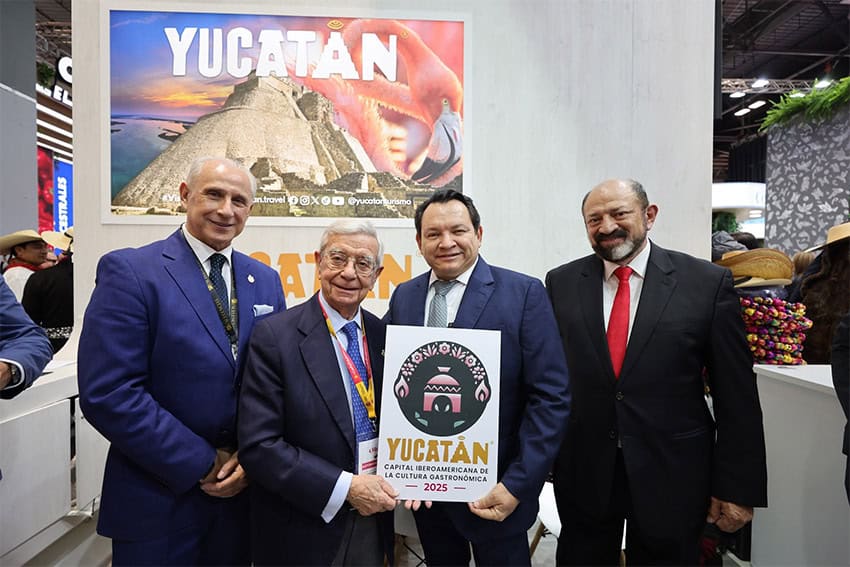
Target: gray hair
column 199, row 163
column 635, row 186
column 352, row 226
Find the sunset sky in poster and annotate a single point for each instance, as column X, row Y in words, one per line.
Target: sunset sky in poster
column 141, row 59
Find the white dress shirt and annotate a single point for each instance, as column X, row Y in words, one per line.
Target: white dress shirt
column 343, row 482
column 610, row 284
column 203, row 252
column 453, row 297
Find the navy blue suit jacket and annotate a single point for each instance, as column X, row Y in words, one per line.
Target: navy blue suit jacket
column 534, row 387
column 21, row 341
column 157, row 378
column 676, row 455
column 296, row 435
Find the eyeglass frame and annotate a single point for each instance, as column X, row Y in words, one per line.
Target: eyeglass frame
column 353, row 259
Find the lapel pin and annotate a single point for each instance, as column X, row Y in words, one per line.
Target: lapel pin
column 250, row 278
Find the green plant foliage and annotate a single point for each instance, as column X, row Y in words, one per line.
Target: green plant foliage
column 724, row 220
column 818, row 105
column 45, row 74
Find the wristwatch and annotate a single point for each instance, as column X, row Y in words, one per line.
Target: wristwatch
column 14, row 374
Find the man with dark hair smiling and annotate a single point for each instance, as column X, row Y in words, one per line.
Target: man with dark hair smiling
column 464, row 291
column 642, row 328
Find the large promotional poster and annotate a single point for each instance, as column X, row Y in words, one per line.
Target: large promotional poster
column 63, row 195
column 336, row 117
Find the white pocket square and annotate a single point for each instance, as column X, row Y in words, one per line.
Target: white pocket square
column 262, row 310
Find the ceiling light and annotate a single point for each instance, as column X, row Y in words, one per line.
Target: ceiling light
column 755, row 213
column 823, row 83
column 759, row 83
column 737, row 94
column 797, row 94
column 742, row 112
column 757, row 104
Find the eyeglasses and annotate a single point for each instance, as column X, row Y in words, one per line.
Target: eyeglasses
column 338, row 260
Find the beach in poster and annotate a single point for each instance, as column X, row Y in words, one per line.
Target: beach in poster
column 439, row 428
column 336, row 117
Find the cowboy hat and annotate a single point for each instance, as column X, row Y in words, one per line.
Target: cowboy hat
column 834, row 234
column 764, row 264
column 60, row 240
column 9, row 241
column 753, row 281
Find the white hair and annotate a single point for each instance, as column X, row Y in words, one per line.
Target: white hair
column 352, row 226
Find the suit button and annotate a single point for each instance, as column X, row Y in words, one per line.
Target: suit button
column 612, row 434
column 619, row 396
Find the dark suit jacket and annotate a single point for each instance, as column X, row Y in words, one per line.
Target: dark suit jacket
column 49, row 299
column 675, row 454
column 296, row 435
column 534, row 387
column 21, row 341
column 157, row 378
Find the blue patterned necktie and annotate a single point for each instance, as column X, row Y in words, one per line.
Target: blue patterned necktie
column 216, row 263
column 438, row 315
column 362, row 424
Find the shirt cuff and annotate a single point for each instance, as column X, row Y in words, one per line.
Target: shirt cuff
column 337, row 499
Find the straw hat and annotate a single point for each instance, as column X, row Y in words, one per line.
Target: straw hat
column 60, row 240
column 834, row 234
column 9, row 241
column 761, row 267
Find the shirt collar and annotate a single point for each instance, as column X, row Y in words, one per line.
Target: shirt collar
column 462, row 278
column 337, row 320
column 204, row 251
column 638, row 263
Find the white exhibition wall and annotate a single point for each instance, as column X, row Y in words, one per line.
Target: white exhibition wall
column 559, row 95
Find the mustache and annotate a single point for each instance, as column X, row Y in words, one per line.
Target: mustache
column 619, row 233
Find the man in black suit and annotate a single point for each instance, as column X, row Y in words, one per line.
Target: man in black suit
column 307, row 417
column 642, row 443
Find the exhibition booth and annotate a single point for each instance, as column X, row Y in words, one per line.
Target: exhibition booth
column 554, row 97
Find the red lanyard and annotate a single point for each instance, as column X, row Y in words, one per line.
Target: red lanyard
column 366, row 391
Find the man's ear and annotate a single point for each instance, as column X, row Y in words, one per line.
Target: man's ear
column 651, row 213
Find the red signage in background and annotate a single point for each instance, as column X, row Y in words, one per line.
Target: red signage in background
column 45, row 190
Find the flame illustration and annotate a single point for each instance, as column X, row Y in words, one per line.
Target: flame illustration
column 482, row 392
column 401, row 388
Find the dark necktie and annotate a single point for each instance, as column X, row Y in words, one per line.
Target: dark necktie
column 618, row 322
column 438, row 315
column 216, row 263
column 363, row 427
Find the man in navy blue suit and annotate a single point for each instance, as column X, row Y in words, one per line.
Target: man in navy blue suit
column 24, row 348
column 534, row 387
column 160, row 361
column 308, row 417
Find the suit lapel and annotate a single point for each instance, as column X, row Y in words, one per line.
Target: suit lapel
column 590, row 294
column 658, row 286
column 182, row 264
column 375, row 334
column 246, row 294
column 319, row 355
column 478, row 291
column 413, row 312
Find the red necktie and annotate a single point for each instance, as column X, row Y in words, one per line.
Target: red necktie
column 618, row 323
